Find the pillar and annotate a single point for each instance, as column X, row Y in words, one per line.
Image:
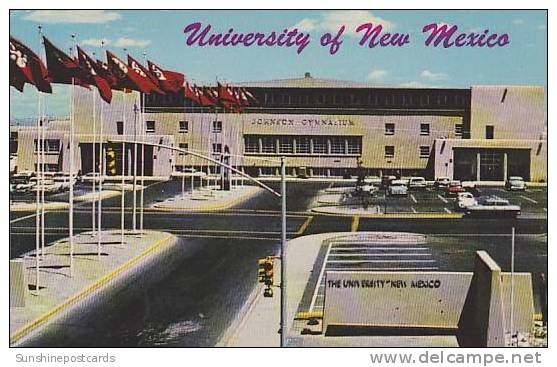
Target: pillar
column 478, row 162
column 505, row 166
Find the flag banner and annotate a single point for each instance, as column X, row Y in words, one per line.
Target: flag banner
column 88, row 64
column 145, row 75
column 191, row 93
column 168, row 81
column 27, row 67
column 63, row 69
column 104, row 71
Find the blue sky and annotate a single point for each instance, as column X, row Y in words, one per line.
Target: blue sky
column 160, row 35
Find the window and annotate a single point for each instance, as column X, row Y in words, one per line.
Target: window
column 49, row 167
column 286, row 145
column 251, row 144
column 354, row 145
column 489, row 131
column 150, row 127
column 183, row 127
column 338, row 145
column 217, row 148
column 389, row 151
column 183, row 146
column 458, row 129
column 217, row 126
column 303, row 145
column 120, row 127
column 424, row 129
column 49, row 146
column 389, row 129
column 320, row 145
column 424, row 151
column 269, row 144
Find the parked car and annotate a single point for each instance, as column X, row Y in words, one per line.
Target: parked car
column 441, row 182
column 453, row 188
column 397, row 187
column 493, row 207
column 464, row 200
column 515, row 183
column 48, row 185
column 21, row 183
column 417, row 183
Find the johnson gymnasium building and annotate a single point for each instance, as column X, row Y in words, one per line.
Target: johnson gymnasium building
column 323, row 127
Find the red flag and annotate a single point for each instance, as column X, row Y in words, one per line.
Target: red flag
column 88, row 64
column 27, row 67
column 149, row 79
column 62, row 68
column 126, row 77
column 249, row 95
column 191, row 93
column 169, row 81
column 104, row 71
column 225, row 94
column 207, row 96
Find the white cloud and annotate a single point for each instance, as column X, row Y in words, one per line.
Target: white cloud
column 518, row 21
column 130, row 42
column 331, row 21
column 429, row 75
column 377, row 75
column 72, row 16
column 96, row 42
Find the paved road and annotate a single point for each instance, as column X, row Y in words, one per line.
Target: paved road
column 196, row 303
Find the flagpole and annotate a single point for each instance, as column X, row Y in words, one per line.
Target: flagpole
column 122, row 199
column 71, row 152
column 101, row 173
column 134, row 210
column 37, row 176
column 142, row 182
column 94, row 161
column 43, row 159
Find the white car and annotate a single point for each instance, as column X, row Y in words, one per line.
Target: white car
column 493, row 207
column 465, row 200
column 417, row 183
column 397, row 187
column 441, row 182
column 515, row 183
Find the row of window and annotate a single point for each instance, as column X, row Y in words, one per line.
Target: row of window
column 49, row 146
column 183, row 127
column 303, row 145
column 424, row 129
column 424, row 151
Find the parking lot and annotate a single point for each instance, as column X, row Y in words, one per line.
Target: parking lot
column 533, row 201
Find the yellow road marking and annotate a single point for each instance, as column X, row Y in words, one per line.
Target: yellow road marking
column 93, row 287
column 306, row 315
column 304, row 226
column 355, row 223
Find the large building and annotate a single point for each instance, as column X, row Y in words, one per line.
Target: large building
column 323, row 127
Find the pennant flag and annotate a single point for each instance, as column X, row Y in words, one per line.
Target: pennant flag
column 250, row 96
column 27, row 67
column 124, row 77
column 104, row 71
column 225, row 94
column 149, row 79
column 191, row 93
column 168, row 81
column 94, row 78
column 207, row 96
column 63, row 69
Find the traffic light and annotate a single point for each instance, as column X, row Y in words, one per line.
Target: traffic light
column 110, row 161
column 265, row 271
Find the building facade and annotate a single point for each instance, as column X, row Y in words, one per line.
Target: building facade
column 323, row 127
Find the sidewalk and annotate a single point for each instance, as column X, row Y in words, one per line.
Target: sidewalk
column 206, row 199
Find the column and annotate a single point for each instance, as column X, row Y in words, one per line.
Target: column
column 505, row 166
column 478, row 162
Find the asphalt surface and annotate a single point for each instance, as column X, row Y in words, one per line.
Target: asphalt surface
column 195, row 304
